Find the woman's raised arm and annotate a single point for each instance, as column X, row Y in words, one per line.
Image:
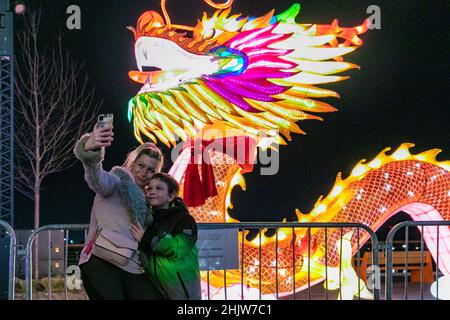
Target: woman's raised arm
column 90, row 150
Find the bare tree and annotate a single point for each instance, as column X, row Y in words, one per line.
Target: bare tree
column 54, row 106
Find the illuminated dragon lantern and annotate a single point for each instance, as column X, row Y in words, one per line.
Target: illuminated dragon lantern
column 243, row 82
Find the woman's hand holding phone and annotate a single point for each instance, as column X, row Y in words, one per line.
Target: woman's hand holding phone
column 101, row 136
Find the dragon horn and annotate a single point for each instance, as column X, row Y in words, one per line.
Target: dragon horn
column 166, row 15
column 219, row 6
column 209, row 2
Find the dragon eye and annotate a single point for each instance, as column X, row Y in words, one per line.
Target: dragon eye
column 210, row 34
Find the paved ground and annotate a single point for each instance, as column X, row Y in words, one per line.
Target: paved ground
column 318, row 292
column 413, row 292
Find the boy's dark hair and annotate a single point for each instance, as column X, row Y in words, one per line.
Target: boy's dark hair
column 172, row 184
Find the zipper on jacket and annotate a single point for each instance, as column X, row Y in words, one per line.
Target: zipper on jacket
column 182, row 284
column 164, row 293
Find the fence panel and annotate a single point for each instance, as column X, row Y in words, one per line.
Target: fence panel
column 66, row 228
column 257, row 270
column 436, row 235
column 286, row 256
column 11, row 257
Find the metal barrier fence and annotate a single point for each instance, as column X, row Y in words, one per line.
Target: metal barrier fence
column 242, row 227
column 12, row 258
column 260, row 226
column 29, row 251
column 433, row 247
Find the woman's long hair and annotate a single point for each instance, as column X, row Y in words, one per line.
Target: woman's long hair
column 149, row 149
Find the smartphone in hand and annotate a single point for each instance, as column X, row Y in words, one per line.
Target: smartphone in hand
column 104, row 120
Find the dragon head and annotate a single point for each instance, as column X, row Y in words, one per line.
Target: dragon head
column 253, row 74
column 174, row 58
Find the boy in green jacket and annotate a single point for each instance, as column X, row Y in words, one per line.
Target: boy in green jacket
column 169, row 244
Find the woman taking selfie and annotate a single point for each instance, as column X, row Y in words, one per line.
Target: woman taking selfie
column 109, row 262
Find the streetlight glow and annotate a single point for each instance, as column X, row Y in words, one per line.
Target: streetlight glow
column 19, row 7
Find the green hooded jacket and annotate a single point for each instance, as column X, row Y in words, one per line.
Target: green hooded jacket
column 171, row 253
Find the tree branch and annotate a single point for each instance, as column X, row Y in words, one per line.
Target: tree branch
column 54, row 106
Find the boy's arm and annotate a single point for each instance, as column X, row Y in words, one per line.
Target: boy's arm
column 180, row 243
column 145, row 244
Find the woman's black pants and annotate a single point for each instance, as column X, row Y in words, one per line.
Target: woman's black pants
column 104, row 281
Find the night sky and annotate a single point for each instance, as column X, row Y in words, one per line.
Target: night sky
column 400, row 94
